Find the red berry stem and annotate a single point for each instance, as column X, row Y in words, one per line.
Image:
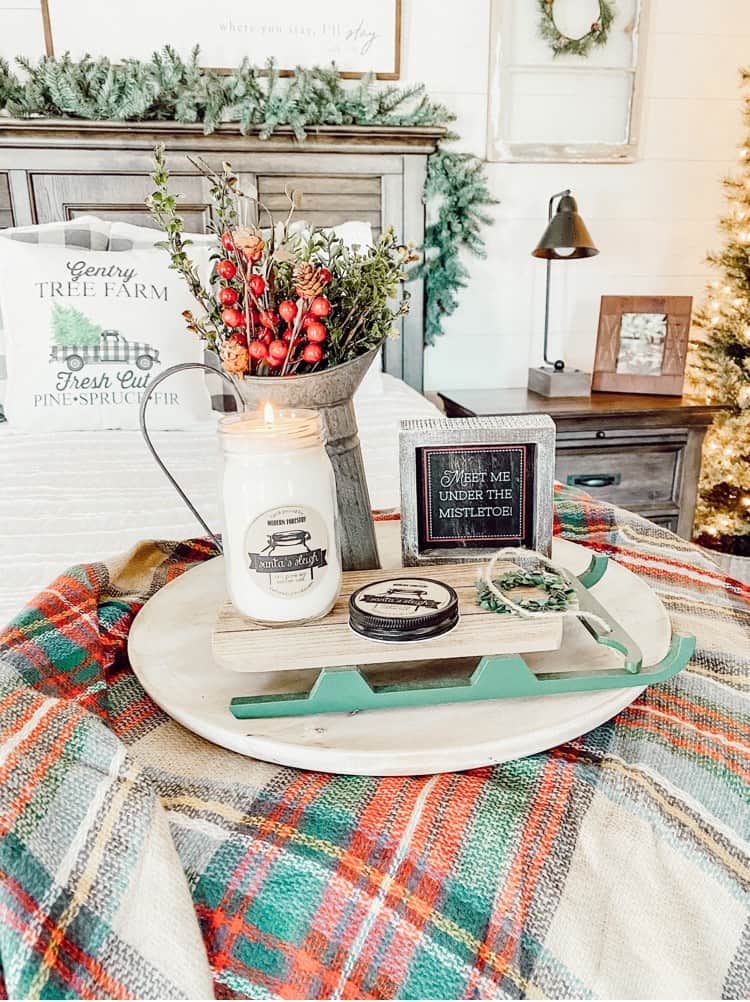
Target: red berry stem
column 301, row 310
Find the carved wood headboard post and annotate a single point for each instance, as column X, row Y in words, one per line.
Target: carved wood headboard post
column 55, row 170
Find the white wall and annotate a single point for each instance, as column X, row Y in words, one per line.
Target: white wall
column 653, row 220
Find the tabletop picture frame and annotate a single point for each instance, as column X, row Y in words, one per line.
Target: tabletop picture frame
column 642, row 344
column 471, row 486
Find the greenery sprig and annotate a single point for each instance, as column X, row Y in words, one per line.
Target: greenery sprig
column 162, row 205
column 562, row 44
column 167, row 87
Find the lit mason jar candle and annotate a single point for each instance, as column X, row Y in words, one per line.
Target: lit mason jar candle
column 281, row 541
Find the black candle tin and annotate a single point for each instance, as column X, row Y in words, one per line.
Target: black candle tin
column 402, row 609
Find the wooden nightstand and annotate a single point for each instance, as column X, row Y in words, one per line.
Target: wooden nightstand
column 639, row 452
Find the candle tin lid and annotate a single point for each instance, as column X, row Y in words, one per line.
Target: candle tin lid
column 403, row 609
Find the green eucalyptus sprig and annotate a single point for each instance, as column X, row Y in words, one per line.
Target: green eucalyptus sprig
column 162, row 205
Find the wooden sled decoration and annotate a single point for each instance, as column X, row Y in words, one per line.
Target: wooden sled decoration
column 364, row 685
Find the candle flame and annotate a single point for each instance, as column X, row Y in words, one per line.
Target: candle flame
column 268, row 413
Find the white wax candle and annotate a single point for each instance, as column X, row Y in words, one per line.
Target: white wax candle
column 281, row 541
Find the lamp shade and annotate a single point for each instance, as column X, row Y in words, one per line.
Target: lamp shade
column 566, row 231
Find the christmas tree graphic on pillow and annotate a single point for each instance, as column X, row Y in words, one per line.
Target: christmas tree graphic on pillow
column 77, row 341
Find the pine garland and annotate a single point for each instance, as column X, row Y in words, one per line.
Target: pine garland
column 169, row 88
column 456, row 186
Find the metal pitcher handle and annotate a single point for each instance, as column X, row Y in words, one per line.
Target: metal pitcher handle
column 152, row 448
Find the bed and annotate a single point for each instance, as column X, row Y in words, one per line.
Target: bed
column 137, row 860
column 71, row 496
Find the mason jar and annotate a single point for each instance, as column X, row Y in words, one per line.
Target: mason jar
column 281, row 538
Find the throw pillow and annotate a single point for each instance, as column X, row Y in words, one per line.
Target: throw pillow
column 87, row 332
column 87, row 232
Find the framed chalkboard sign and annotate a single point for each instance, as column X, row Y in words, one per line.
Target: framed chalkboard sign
column 473, row 485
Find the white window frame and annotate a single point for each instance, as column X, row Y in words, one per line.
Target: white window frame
column 500, row 150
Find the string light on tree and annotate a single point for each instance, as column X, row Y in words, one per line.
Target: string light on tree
column 719, row 369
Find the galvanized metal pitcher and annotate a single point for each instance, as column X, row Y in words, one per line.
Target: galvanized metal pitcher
column 331, row 393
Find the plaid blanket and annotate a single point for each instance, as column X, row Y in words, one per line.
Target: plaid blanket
column 138, row 861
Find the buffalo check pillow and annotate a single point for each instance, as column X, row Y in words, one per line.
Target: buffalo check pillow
column 88, row 331
column 86, row 232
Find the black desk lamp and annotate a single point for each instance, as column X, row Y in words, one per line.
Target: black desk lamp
column 565, row 239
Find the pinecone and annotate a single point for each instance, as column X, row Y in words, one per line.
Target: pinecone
column 234, row 358
column 249, row 242
column 308, row 281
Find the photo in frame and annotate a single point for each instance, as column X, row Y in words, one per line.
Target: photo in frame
column 358, row 37
column 642, row 344
column 471, row 486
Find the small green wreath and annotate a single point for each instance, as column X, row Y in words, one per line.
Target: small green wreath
column 559, row 595
column 562, row 44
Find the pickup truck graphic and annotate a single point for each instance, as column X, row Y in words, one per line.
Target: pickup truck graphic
column 112, row 347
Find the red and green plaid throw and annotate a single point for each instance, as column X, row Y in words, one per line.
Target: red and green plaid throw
column 139, row 861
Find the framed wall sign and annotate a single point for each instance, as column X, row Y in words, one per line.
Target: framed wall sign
column 642, row 343
column 474, row 485
column 359, row 36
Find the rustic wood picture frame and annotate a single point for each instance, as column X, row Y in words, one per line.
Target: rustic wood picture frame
column 528, row 439
column 670, row 379
column 388, row 74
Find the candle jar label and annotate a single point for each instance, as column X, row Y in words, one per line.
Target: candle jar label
column 286, row 550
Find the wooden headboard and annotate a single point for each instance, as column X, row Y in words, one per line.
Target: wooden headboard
column 56, row 170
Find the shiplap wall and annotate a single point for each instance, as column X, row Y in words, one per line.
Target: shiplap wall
column 653, row 220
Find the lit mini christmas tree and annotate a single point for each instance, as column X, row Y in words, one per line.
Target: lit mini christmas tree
column 720, row 372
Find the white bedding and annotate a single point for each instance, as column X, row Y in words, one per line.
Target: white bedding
column 80, row 496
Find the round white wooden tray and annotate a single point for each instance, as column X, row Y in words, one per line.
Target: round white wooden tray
column 170, row 651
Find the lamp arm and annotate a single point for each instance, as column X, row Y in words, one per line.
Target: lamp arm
column 559, row 365
column 545, row 348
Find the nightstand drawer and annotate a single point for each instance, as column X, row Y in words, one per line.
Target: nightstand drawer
column 637, row 477
column 665, row 521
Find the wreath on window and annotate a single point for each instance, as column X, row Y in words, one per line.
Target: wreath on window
column 560, row 44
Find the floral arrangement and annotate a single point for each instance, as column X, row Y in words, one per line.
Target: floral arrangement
column 284, row 298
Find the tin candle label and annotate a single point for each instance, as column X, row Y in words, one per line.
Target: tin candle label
column 286, row 550
column 403, row 609
column 403, row 597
